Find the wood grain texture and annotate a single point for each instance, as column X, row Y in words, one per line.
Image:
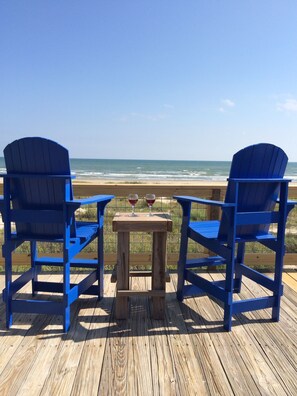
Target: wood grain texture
column 186, row 353
column 158, row 275
column 122, row 307
column 159, row 222
column 159, row 225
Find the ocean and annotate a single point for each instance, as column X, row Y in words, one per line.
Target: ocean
column 154, row 170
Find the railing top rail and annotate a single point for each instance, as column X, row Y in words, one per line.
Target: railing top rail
column 204, row 189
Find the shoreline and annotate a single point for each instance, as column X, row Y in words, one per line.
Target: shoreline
column 152, row 182
column 149, row 182
column 156, row 182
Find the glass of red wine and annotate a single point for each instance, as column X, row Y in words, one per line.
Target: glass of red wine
column 150, row 200
column 133, row 199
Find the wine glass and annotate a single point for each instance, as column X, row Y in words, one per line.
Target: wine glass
column 150, row 200
column 133, row 199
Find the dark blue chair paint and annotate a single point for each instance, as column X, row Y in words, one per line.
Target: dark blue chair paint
column 256, row 197
column 38, row 199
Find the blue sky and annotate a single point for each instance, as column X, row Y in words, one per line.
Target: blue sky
column 151, row 79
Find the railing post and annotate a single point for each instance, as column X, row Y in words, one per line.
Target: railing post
column 214, row 212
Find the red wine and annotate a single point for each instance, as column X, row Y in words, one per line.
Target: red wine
column 133, row 202
column 150, row 201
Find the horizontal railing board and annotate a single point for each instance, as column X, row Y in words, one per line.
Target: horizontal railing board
column 85, row 188
column 203, row 189
column 144, row 259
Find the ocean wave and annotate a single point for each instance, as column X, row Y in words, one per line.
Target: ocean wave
column 154, row 176
column 158, row 176
column 154, row 170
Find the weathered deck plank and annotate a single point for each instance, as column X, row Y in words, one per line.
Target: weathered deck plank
column 291, row 280
column 90, row 365
column 30, row 349
column 227, row 347
column 163, row 367
column 207, row 346
column 256, row 354
column 187, row 353
column 139, row 358
column 189, row 374
column 63, row 370
column 48, row 346
column 280, row 350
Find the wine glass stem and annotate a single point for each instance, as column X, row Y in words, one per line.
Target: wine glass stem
column 150, row 206
column 133, row 214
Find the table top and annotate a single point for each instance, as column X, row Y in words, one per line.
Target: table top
column 158, row 222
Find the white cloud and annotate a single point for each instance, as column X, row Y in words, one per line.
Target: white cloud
column 228, row 103
column 225, row 105
column 289, row 105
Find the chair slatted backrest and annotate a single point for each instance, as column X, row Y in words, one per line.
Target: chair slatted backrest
column 31, row 157
column 259, row 161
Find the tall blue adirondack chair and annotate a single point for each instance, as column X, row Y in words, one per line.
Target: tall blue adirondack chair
column 38, row 199
column 256, row 196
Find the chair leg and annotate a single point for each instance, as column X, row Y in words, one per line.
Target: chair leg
column 33, row 247
column 239, row 260
column 101, row 283
column 9, row 319
column 66, row 319
column 228, row 317
column 100, row 268
column 66, row 288
column 181, row 266
column 229, row 289
column 180, row 283
column 276, row 313
column 278, row 286
column 276, row 308
column 8, row 296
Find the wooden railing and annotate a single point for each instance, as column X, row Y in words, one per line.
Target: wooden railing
column 209, row 190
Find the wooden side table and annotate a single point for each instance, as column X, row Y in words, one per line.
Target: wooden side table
column 159, row 224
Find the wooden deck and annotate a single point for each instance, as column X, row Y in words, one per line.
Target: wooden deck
column 186, row 354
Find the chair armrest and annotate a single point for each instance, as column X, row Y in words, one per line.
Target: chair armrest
column 35, row 175
column 259, row 180
column 202, row 201
column 94, row 199
column 290, row 205
column 289, row 202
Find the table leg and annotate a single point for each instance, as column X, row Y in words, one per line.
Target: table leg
column 122, row 303
column 158, row 273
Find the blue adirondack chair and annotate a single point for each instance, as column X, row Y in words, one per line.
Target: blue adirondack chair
column 256, row 196
column 38, row 199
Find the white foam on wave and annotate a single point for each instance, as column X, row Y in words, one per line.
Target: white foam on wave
column 154, row 176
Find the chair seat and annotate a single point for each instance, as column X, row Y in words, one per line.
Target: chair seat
column 86, row 230
column 210, row 230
